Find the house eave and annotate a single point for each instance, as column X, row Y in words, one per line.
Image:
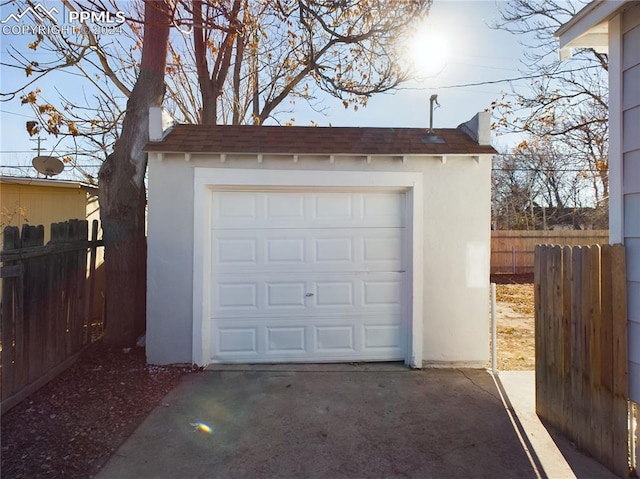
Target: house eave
column 589, row 28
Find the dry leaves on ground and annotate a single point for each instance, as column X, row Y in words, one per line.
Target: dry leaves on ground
column 72, row 426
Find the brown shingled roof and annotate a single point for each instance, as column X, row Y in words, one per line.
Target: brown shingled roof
column 314, row 140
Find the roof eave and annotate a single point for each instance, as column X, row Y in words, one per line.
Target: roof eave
column 303, row 153
column 588, row 28
column 46, row 182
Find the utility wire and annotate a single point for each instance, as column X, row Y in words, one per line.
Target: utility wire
column 16, row 114
column 503, row 80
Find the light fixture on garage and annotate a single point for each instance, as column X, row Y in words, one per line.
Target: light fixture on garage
column 431, row 137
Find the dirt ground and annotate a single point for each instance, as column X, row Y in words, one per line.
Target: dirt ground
column 72, row 426
column 515, row 326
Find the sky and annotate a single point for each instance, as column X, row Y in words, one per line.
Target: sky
column 466, row 79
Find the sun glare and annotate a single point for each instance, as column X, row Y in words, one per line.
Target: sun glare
column 428, row 52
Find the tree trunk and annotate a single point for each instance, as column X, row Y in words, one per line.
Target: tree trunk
column 237, row 71
column 122, row 192
column 212, row 83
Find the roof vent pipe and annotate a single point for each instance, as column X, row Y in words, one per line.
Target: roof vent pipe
column 432, row 100
column 430, row 136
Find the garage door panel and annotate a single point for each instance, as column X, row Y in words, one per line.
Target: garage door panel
column 234, row 251
column 381, row 292
column 237, row 340
column 383, row 207
column 349, row 249
column 334, row 340
column 287, row 206
column 382, row 336
column 359, row 293
column 237, row 296
column 285, row 295
column 286, row 339
column 270, row 210
column 334, row 207
column 236, row 207
column 318, row 317
column 383, row 247
column 334, row 294
column 333, row 249
column 285, row 250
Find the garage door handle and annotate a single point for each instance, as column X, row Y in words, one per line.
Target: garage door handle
column 308, row 295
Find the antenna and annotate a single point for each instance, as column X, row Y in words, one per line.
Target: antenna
column 39, row 140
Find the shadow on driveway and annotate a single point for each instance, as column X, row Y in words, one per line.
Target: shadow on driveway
column 331, row 421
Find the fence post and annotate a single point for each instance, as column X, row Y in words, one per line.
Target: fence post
column 11, row 314
column 92, row 279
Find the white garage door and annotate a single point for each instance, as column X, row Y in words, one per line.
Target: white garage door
column 308, row 276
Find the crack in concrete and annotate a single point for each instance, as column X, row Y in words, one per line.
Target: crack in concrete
column 494, row 395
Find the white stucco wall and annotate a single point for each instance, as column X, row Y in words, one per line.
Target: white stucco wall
column 456, row 250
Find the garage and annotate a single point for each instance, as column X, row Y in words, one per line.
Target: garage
column 307, row 276
column 293, row 244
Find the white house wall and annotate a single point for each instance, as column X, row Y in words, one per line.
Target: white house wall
column 169, row 262
column 630, row 150
column 456, row 245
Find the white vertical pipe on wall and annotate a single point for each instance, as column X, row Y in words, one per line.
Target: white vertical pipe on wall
column 494, row 358
column 633, row 439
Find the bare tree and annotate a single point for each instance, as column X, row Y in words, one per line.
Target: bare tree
column 541, row 185
column 252, row 56
column 514, row 189
column 564, row 108
column 247, row 59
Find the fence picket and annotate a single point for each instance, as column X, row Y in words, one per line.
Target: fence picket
column 566, row 335
column 554, row 272
column 595, row 352
column 606, row 366
column 620, row 358
column 11, row 312
column 539, row 300
column 33, row 236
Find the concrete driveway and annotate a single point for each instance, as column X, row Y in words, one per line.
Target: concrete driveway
column 348, row 421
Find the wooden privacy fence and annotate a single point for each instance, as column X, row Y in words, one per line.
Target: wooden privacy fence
column 512, row 251
column 581, row 348
column 45, row 313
